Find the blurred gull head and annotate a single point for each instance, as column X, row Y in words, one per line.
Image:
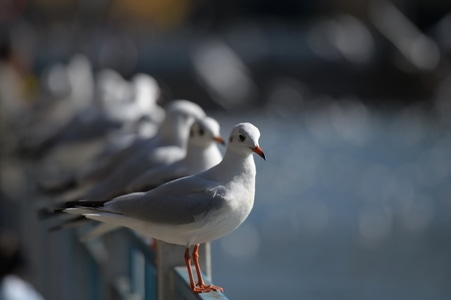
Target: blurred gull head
column 112, row 88
column 205, row 132
column 116, row 95
column 131, row 102
column 147, row 91
column 55, row 80
column 180, row 115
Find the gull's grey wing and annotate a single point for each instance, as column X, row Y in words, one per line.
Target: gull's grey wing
column 106, row 162
column 157, row 176
column 176, row 202
column 116, row 183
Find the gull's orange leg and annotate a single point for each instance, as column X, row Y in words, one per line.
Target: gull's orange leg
column 201, row 286
column 188, row 267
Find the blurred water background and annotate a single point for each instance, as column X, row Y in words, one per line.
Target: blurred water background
column 351, row 204
column 353, row 100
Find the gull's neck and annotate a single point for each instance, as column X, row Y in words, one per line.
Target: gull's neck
column 200, row 158
column 145, row 99
column 234, row 166
column 170, row 134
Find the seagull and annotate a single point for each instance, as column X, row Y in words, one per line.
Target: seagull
column 190, row 210
column 202, row 154
column 130, row 106
column 131, row 101
column 142, row 110
column 61, row 124
column 166, row 147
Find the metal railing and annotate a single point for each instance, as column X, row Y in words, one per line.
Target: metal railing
column 154, row 269
column 117, row 266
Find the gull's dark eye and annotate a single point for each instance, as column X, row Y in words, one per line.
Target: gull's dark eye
column 201, row 131
column 241, row 137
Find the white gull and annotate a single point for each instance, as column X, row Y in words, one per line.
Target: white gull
column 194, row 209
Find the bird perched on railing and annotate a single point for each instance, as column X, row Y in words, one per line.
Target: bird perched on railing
column 191, row 210
column 202, row 153
column 131, row 105
column 116, row 106
column 131, row 101
column 57, row 123
column 137, row 115
column 166, row 147
column 117, row 171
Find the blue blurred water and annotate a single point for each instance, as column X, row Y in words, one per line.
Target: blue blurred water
column 350, row 204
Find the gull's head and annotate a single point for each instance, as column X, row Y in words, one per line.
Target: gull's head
column 244, row 140
column 184, row 109
column 146, row 90
column 180, row 115
column 204, row 132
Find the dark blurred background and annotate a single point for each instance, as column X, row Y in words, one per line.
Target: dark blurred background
column 395, row 52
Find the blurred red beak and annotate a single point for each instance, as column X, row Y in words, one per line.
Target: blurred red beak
column 219, row 139
column 259, row 151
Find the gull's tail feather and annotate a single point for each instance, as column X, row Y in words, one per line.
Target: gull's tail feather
column 46, row 213
column 71, row 223
column 99, row 230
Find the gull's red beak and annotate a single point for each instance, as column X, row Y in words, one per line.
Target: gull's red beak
column 259, row 151
column 219, row 139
